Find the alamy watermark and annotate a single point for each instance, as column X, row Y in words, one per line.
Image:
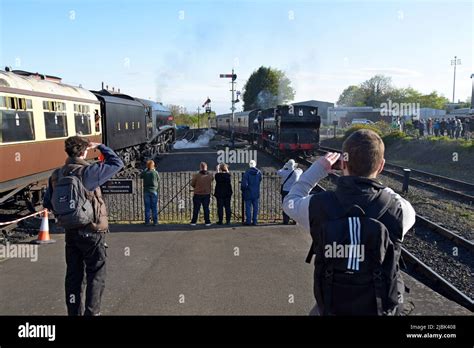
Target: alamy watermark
column 19, row 251
column 399, row 109
column 236, row 156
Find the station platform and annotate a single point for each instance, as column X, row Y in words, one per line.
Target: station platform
column 185, row 270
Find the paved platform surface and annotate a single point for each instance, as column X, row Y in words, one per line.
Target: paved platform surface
column 216, row 271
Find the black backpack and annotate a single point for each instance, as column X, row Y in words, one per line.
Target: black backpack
column 70, row 200
column 356, row 264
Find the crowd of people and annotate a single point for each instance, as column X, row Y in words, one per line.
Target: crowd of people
column 452, row 127
column 357, row 230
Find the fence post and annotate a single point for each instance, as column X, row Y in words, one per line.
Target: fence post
column 406, row 179
column 242, row 206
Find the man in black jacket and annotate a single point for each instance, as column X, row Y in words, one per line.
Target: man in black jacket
column 223, row 193
column 362, row 161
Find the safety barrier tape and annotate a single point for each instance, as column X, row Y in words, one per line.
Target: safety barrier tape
column 23, row 218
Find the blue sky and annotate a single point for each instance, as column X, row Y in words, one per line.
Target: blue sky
column 174, row 51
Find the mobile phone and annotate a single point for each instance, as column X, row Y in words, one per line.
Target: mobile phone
column 338, row 164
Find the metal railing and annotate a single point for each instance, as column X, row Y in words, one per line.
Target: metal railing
column 175, row 203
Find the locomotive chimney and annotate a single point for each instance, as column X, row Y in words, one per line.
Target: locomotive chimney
column 102, row 84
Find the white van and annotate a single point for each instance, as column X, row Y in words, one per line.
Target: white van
column 361, row 121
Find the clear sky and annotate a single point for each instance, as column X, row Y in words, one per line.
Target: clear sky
column 174, row 51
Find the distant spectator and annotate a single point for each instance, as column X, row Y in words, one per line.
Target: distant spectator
column 97, row 120
column 290, row 173
column 458, row 128
column 151, row 181
column 436, row 127
column 429, row 126
column 250, row 187
column 421, row 127
column 449, row 127
column 442, row 127
column 223, row 193
column 467, row 129
column 201, row 182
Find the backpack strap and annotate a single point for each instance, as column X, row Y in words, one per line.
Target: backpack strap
column 327, row 290
column 379, row 291
column 287, row 178
column 335, row 211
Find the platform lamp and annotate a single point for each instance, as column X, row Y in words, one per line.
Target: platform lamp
column 455, row 62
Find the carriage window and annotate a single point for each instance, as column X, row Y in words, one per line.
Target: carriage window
column 2, row 102
column 16, row 126
column 56, row 124
column 83, row 123
column 54, row 106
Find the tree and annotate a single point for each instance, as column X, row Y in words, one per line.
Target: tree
column 351, row 96
column 376, row 90
column 379, row 89
column 433, row 100
column 267, row 88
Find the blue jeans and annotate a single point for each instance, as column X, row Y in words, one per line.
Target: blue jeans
column 151, row 203
column 249, row 204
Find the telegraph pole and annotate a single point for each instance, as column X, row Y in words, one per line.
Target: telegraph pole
column 455, row 62
column 233, row 108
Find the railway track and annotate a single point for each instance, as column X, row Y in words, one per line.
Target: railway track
column 457, row 189
column 443, row 259
column 18, row 232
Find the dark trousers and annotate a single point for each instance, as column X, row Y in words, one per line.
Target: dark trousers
column 85, row 253
column 197, row 201
column 286, row 218
column 223, row 203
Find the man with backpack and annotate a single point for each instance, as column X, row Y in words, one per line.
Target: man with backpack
column 290, row 173
column 74, row 196
column 357, row 231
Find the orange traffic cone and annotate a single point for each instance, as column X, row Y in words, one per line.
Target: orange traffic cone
column 43, row 235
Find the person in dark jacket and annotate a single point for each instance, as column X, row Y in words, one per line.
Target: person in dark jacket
column 358, row 186
column 151, row 181
column 201, row 182
column 85, row 246
column 223, row 193
column 250, row 187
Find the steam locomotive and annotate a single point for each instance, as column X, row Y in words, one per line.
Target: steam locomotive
column 288, row 130
column 37, row 112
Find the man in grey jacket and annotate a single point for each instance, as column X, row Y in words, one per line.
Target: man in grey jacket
column 362, row 160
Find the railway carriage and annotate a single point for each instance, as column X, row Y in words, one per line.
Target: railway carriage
column 36, row 115
column 38, row 112
column 286, row 129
